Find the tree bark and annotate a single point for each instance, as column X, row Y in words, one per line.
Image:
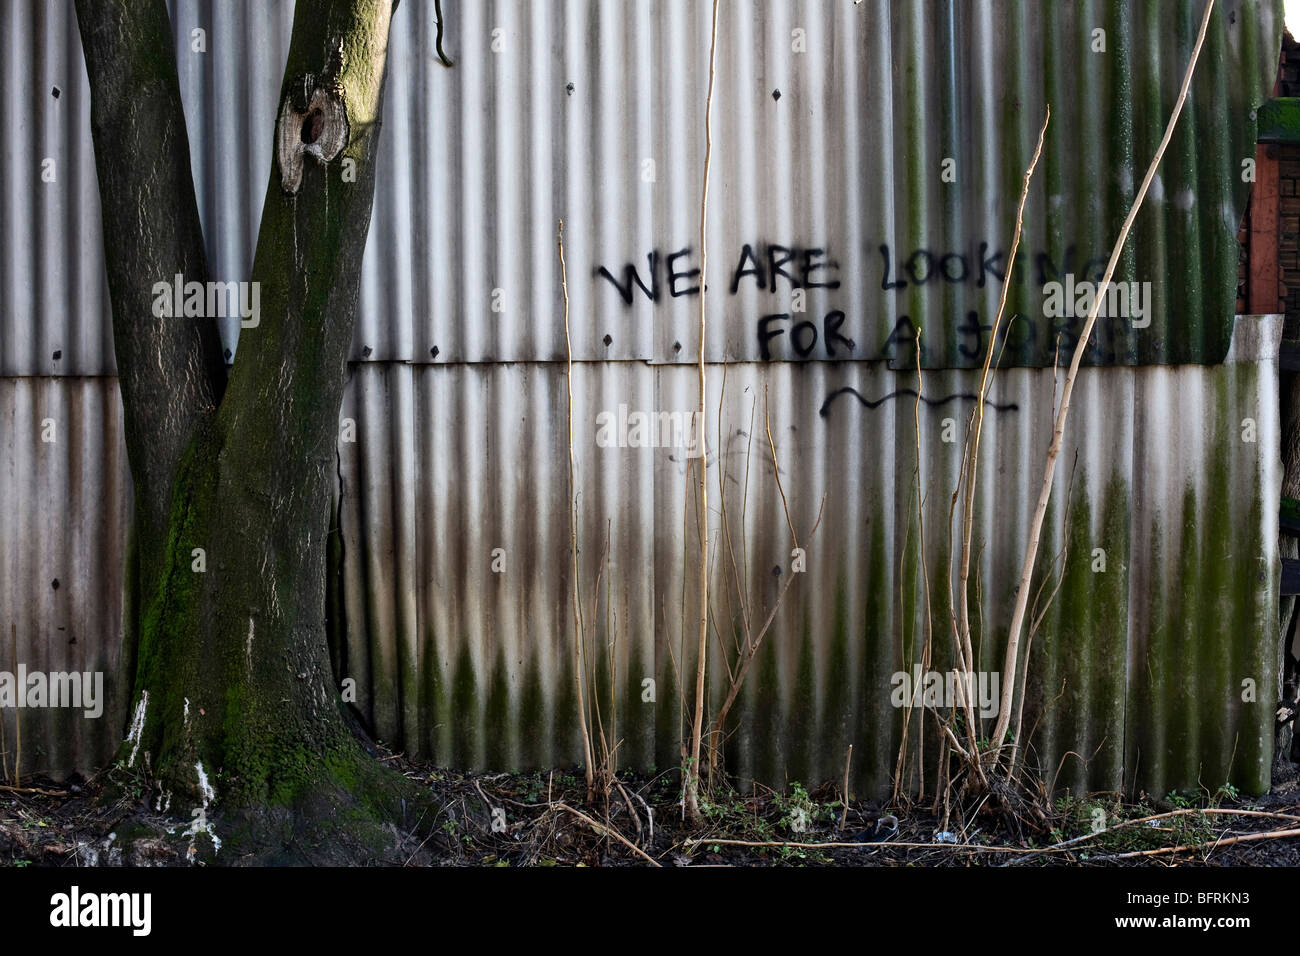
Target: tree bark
column 234, row 708
column 170, row 371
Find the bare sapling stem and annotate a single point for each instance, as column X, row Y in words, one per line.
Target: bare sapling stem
column 1011, row 663
column 971, row 464
column 844, row 812
column 579, row 669
column 691, row 794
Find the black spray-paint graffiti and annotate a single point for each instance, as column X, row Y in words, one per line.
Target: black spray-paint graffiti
column 902, row 392
column 770, row 267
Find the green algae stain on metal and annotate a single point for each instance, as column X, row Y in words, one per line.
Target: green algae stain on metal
column 499, row 729
column 465, row 749
column 837, row 716
column 533, row 744
column 433, row 704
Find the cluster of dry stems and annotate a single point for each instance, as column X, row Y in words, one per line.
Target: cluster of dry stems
column 964, row 758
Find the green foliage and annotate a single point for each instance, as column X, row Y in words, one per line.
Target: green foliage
column 1118, row 831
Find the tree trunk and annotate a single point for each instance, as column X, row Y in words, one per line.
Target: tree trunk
column 234, row 709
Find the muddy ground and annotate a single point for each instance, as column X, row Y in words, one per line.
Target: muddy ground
column 544, row 819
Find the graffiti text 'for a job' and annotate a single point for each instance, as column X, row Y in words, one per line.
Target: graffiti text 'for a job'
column 771, row 267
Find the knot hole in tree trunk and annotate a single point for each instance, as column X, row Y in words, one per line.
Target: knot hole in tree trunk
column 312, row 125
column 313, row 122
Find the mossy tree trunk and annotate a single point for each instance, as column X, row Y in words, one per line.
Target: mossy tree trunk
column 234, row 701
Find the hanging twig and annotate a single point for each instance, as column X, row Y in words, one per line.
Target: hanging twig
column 437, row 12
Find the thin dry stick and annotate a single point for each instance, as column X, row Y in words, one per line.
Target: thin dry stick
column 611, row 626
column 712, row 742
column 682, row 703
column 928, row 648
column 977, row 414
column 610, row 831
column 722, row 647
column 977, row 425
column 1058, row 434
column 752, row 650
column 744, row 498
column 697, row 726
column 605, row 756
column 973, row 446
column 752, row 642
column 18, row 720
column 679, row 672
column 727, row 540
column 650, row 816
column 942, row 780
column 1058, row 847
column 1246, row 838
column 691, row 841
column 579, row 668
column 4, row 749
column 767, row 425
column 630, row 809
column 1036, row 620
column 844, row 814
column 48, row 793
column 726, row 530
column 486, row 802
column 900, row 765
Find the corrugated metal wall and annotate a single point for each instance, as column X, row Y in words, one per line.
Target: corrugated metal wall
column 64, row 518
column 593, row 111
column 1144, row 658
column 832, row 124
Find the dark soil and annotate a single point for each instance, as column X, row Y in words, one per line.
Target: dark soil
column 529, row 819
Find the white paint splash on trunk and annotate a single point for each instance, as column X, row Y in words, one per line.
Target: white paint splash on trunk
column 206, row 793
column 136, row 733
column 201, row 824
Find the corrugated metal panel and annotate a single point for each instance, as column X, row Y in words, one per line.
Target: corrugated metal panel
column 55, row 318
column 64, row 515
column 832, row 122
column 472, row 667
column 839, row 148
column 1138, row 667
